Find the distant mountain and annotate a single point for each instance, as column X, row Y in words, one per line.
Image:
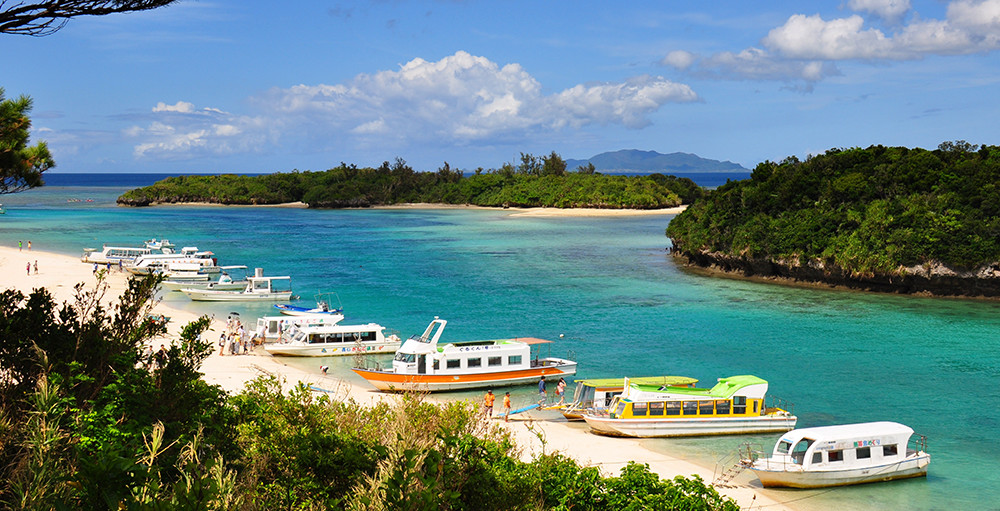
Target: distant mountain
column 648, row 162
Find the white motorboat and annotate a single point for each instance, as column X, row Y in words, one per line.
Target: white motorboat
column 271, row 328
column 125, row 255
column 843, row 455
column 301, row 340
column 258, row 288
column 188, row 256
column 420, row 364
column 196, row 279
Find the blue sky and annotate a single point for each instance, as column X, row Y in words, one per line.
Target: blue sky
column 250, row 86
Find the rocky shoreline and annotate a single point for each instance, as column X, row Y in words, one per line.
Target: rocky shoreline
column 931, row 279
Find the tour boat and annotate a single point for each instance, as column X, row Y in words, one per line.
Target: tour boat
column 111, row 254
column 421, row 364
column 150, row 263
column 735, row 405
column 842, row 455
column 293, row 310
column 179, row 276
column 301, row 340
column 272, row 328
column 258, row 288
column 595, row 395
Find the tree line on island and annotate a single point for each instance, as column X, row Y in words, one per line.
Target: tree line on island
column 881, row 218
column 90, row 420
column 533, row 182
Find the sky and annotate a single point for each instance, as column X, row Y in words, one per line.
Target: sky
column 248, row 86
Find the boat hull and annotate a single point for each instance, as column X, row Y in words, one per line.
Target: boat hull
column 292, row 310
column 218, row 286
column 205, row 295
column 675, row 427
column 392, row 382
column 331, row 349
column 915, row 466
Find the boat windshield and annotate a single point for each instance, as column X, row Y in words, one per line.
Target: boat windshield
column 783, row 446
column 408, row 358
column 799, row 452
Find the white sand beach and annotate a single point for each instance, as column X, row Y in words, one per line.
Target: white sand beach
column 59, row 273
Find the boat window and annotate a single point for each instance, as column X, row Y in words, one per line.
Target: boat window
column 783, row 446
column 474, row 362
column 638, row 409
column 610, row 397
column 705, row 407
column 656, row 408
column 889, row 450
column 722, row 407
column 690, row 407
column 495, row 361
column 619, row 409
column 835, row 456
column 864, row 453
column 437, row 364
column 514, row 360
column 739, row 405
column 799, row 451
column 454, row 363
column 673, row 407
column 405, row 357
column 817, row 458
column 754, row 406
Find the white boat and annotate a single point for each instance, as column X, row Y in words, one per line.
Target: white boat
column 189, row 256
column 328, row 340
column 126, row 255
column 735, row 405
column 271, row 328
column 258, row 288
column 843, row 455
column 175, row 280
column 421, row 364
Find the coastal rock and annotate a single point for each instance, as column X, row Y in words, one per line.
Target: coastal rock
column 933, row 278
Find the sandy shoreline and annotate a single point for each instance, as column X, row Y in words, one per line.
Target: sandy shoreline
column 572, row 212
column 59, row 273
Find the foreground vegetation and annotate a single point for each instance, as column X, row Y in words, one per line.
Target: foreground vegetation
column 867, row 211
column 535, row 182
column 87, row 423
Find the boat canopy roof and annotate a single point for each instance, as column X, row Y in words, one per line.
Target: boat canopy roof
column 725, row 389
column 641, row 380
column 850, row 432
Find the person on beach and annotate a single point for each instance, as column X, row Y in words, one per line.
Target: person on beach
column 324, row 369
column 542, row 396
column 222, row 344
column 490, row 398
column 95, row 268
column 36, row 266
column 561, row 390
column 29, row 245
column 19, row 246
column 161, row 357
column 506, row 407
column 29, row 267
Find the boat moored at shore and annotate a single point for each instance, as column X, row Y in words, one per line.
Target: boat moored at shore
column 421, row 364
column 596, row 395
column 325, row 340
column 271, row 328
column 735, row 405
column 842, row 455
column 259, row 288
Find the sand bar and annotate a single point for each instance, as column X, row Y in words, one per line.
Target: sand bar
column 59, row 273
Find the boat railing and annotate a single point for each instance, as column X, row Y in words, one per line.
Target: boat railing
column 774, row 403
column 734, row 463
column 919, row 444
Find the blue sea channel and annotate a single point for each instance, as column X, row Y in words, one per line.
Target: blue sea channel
column 607, row 292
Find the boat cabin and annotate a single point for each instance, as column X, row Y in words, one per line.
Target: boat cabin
column 271, row 328
column 735, row 396
column 844, row 446
column 598, row 394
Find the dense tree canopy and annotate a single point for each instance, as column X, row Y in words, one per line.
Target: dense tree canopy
column 21, row 165
column 534, row 182
column 868, row 210
column 46, row 17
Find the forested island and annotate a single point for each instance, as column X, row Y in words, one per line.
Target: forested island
column 534, row 182
column 882, row 218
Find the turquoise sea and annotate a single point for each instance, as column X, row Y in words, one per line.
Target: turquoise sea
column 622, row 307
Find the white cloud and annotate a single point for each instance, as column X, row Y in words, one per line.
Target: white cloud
column 679, row 59
column 889, row 10
column 806, row 47
column 456, row 100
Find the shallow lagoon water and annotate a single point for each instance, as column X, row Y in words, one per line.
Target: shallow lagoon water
column 622, row 306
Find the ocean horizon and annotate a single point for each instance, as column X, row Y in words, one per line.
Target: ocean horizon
column 607, row 292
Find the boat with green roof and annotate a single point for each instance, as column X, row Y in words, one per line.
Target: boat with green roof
column 596, row 394
column 735, row 405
